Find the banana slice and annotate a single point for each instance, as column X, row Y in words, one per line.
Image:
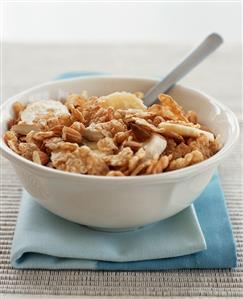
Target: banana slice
column 155, row 146
column 122, row 100
column 43, row 107
column 185, row 131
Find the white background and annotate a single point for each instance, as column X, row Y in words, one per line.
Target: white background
column 118, row 22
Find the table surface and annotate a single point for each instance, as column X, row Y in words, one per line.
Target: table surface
column 26, row 65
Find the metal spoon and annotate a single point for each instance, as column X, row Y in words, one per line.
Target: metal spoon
column 208, row 46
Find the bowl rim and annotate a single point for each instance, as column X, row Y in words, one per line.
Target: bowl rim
column 171, row 175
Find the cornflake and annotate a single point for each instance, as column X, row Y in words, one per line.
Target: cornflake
column 112, row 135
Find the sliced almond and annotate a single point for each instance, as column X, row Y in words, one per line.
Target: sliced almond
column 71, row 135
column 140, row 133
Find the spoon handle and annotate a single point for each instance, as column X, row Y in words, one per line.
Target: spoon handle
column 209, row 45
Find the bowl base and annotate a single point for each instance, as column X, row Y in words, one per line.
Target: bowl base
column 119, row 230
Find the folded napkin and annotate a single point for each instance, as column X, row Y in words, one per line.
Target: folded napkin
column 44, row 240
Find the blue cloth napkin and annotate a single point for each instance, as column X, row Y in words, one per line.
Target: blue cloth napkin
column 44, row 240
column 41, row 235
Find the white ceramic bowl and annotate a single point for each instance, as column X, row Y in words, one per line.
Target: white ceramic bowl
column 121, row 202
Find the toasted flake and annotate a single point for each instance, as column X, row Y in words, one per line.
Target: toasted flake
column 95, row 165
column 121, row 159
column 78, row 127
column 162, row 164
column 192, row 117
column 18, row 107
column 112, row 127
column 189, row 159
column 77, row 115
column 92, row 133
column 27, row 149
column 56, row 144
column 136, row 159
column 141, row 167
column 57, row 130
column 75, row 100
column 129, row 113
column 134, row 145
column 40, row 136
column 40, row 157
column 24, row 128
column 107, row 145
column 12, row 141
column 171, row 109
column 120, row 137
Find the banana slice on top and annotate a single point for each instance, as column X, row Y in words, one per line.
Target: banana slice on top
column 122, row 100
column 39, row 108
column 185, row 131
column 155, row 146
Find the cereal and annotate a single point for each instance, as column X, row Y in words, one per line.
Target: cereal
column 27, row 149
column 134, row 145
column 107, row 145
column 121, row 159
column 75, row 100
column 40, row 157
column 136, row 159
column 23, row 128
column 157, row 166
column 189, row 159
column 12, row 141
column 115, row 173
column 43, row 135
column 141, row 166
column 113, row 135
column 120, row 137
column 71, row 135
column 18, row 107
column 192, row 117
column 171, row 109
column 92, row 133
column 77, row 115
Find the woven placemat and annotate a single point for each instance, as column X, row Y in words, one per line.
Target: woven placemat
column 166, row 283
